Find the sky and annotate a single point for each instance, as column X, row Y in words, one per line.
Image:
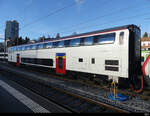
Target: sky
column 49, row 17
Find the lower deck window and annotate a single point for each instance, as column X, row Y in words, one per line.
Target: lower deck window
column 46, row 62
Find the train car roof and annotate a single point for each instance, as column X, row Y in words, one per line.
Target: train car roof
column 132, row 26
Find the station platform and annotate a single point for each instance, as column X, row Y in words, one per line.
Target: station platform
column 9, row 104
column 17, row 99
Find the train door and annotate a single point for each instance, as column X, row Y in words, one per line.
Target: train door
column 18, row 59
column 61, row 63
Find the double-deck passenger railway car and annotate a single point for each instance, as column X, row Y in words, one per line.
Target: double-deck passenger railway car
column 111, row 53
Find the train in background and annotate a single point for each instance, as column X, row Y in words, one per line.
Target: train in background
column 3, row 56
column 110, row 54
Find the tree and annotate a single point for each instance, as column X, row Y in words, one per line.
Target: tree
column 41, row 39
column 27, row 40
column 145, row 34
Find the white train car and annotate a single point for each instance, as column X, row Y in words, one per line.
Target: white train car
column 113, row 53
column 3, row 56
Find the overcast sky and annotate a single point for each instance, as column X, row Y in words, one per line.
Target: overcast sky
column 84, row 16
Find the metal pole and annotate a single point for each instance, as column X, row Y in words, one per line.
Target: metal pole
column 4, row 49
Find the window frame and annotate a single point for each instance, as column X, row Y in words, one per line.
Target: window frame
column 62, row 45
column 103, row 36
column 75, row 45
column 38, row 46
column 92, row 38
column 35, row 47
column 55, row 44
column 46, row 44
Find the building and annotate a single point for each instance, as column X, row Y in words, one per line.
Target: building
column 11, row 30
column 145, row 43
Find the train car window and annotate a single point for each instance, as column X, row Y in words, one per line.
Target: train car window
column 105, row 39
column 121, row 38
column 75, row 42
column 80, row 59
column 19, row 48
column 40, row 46
column 55, row 44
column 33, row 47
column 14, row 48
column 23, row 47
column 27, row 47
column 9, row 49
column 88, row 41
column 93, row 61
column 61, row 44
column 66, row 43
column 60, row 63
column 48, row 45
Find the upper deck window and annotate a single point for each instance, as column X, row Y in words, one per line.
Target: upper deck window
column 55, row 44
column 33, row 47
column 88, row 40
column 66, row 43
column 23, row 47
column 61, row 44
column 27, row 47
column 75, row 42
column 105, row 39
column 20, row 48
column 48, row 45
column 40, row 46
column 17, row 48
column 14, row 48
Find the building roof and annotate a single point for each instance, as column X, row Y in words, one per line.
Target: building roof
column 145, row 39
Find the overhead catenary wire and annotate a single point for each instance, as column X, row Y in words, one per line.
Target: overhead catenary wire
column 50, row 14
column 112, row 21
column 100, row 17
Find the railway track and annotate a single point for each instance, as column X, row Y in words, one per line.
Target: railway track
column 145, row 95
column 73, row 102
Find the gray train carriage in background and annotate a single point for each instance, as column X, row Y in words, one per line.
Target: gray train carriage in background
column 3, row 56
